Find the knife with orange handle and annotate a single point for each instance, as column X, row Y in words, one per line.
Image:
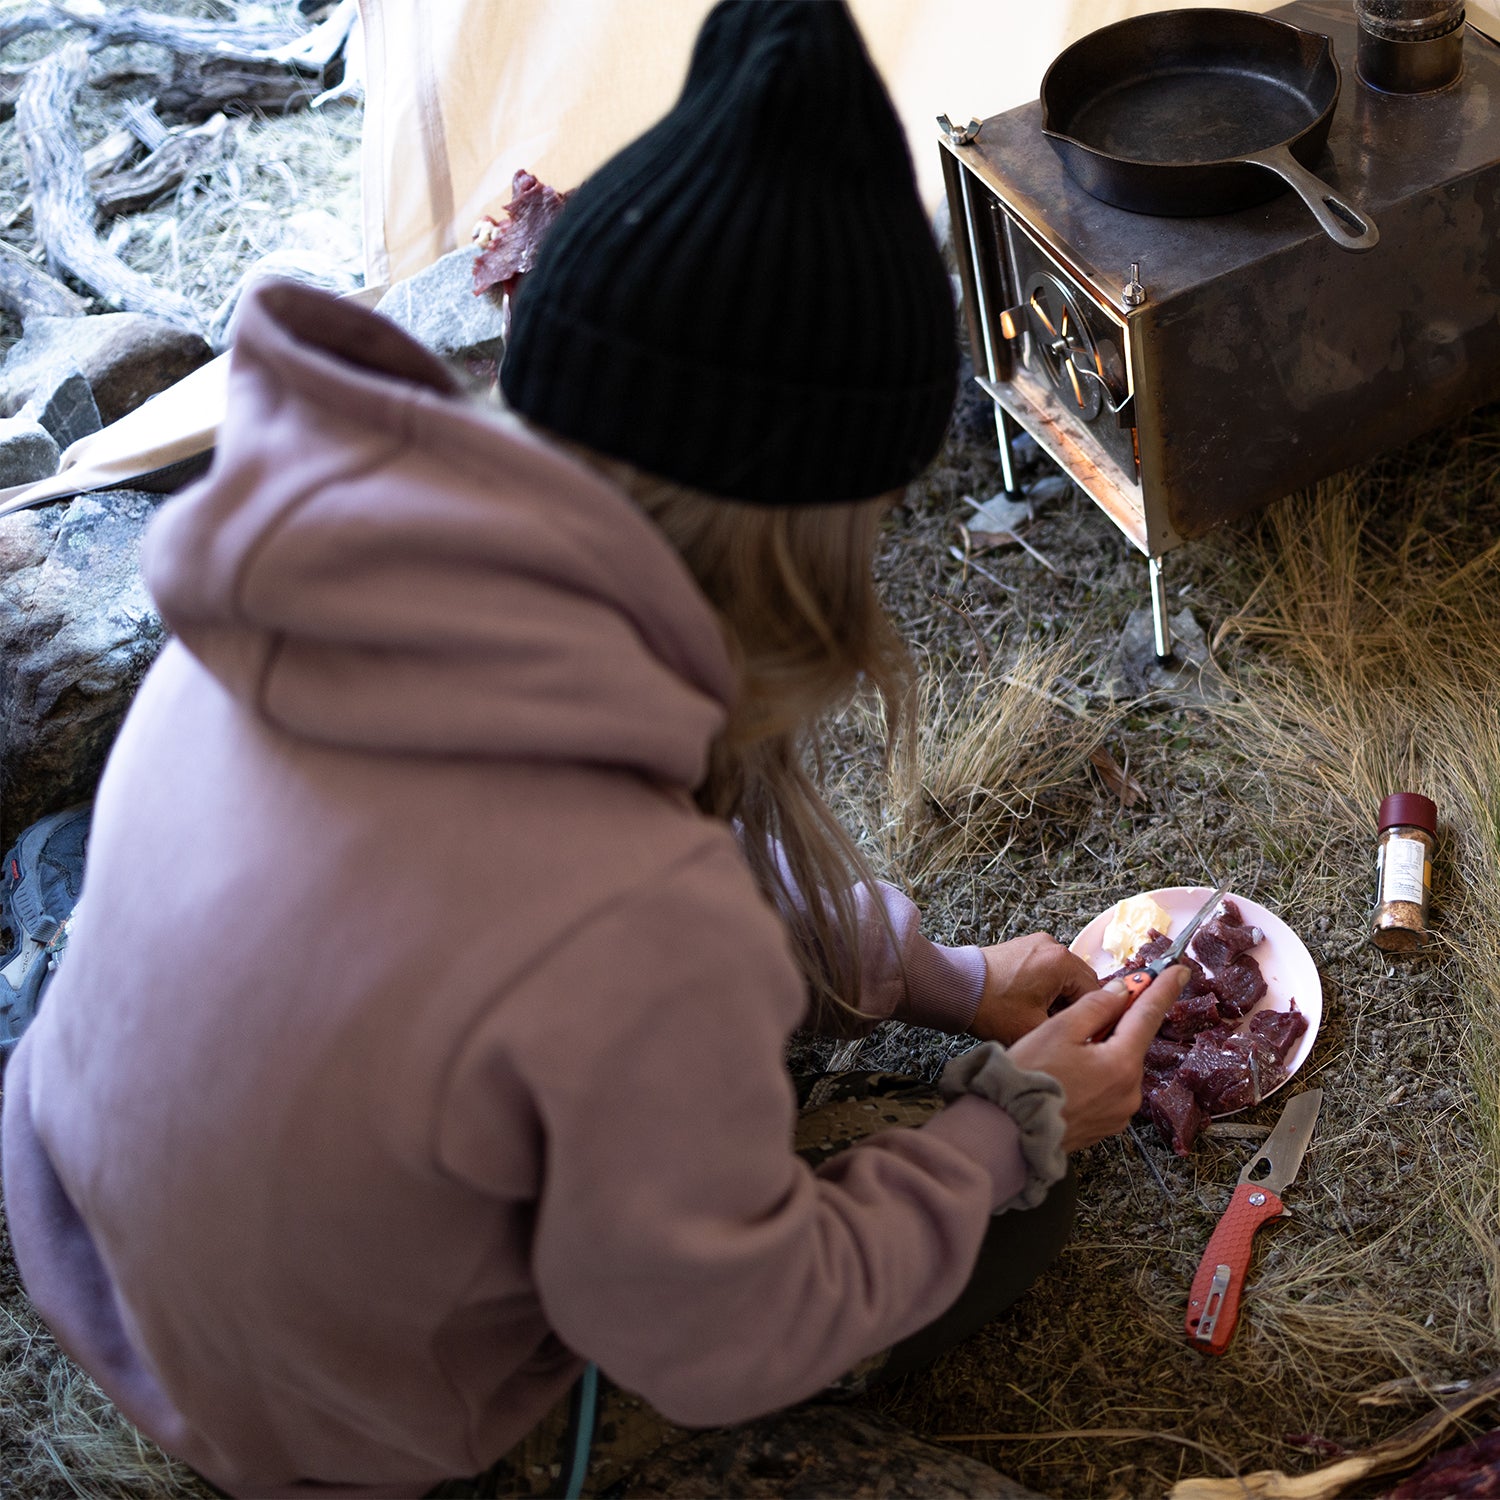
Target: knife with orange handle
column 1214, row 1300
column 1139, row 980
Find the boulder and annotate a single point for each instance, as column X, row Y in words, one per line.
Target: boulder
column 125, row 358
column 77, row 632
column 439, row 308
column 817, row 1451
column 28, row 452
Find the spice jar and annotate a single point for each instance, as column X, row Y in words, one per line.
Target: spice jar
column 1403, row 871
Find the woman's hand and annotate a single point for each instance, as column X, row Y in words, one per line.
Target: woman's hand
column 1101, row 1081
column 1023, row 979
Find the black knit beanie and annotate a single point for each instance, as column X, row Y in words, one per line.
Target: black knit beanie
column 748, row 298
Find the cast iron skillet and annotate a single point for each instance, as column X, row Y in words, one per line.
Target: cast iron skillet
column 1199, row 112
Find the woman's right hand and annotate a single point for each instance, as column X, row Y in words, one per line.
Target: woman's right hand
column 1101, row 1081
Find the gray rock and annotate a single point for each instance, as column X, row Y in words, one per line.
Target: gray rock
column 1024, row 450
column 1189, row 676
column 1050, row 489
column 28, row 452
column 818, row 1450
column 437, row 307
column 67, row 411
column 289, row 264
column 999, row 513
column 125, row 357
column 77, row 631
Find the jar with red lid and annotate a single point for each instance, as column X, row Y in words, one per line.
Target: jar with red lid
column 1403, row 871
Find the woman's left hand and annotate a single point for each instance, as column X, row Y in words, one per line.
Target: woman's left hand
column 1023, row 979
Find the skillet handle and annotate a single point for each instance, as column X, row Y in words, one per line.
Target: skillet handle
column 1341, row 222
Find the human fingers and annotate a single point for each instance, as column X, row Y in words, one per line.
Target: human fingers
column 1141, row 1021
column 1072, row 976
column 1095, row 1011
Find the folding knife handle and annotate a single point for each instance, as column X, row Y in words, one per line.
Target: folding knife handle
column 1214, row 1301
column 1136, row 985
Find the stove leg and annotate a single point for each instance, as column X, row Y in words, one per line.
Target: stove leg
column 1161, row 626
column 1005, row 429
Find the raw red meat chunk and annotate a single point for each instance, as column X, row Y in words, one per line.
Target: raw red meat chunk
column 1162, row 1056
column 508, row 246
column 1227, row 1070
column 1175, row 1113
column 1196, row 1010
column 1224, row 935
column 1202, row 1062
column 1281, row 1028
column 1239, row 986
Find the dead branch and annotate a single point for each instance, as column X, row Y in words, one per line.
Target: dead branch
column 28, row 291
column 11, row 82
column 177, row 158
column 204, row 86
column 1398, row 1452
column 63, row 207
column 178, row 34
column 23, row 23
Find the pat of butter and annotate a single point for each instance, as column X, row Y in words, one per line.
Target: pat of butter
column 1131, row 923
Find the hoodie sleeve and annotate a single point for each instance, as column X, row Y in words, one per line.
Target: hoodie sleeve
column 907, row 976
column 679, row 1241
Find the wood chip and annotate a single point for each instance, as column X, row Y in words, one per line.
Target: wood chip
column 1116, row 778
column 1229, row 1130
column 983, row 541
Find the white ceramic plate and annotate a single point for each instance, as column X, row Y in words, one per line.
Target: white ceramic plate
column 1290, row 971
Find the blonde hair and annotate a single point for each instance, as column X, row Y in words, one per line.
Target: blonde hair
column 795, row 594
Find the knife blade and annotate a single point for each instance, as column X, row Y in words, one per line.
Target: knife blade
column 1139, row 980
column 1214, row 1299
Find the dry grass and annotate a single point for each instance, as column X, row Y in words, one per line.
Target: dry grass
column 1359, row 625
column 1378, row 669
column 994, row 747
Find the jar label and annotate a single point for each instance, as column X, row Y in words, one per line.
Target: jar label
column 1403, row 871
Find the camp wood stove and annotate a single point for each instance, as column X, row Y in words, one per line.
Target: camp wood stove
column 1186, row 371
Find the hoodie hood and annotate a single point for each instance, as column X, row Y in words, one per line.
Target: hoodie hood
column 377, row 563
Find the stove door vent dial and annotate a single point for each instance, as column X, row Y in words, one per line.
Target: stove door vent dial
column 1085, row 370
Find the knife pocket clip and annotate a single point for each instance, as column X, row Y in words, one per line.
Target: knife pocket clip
column 1212, row 1304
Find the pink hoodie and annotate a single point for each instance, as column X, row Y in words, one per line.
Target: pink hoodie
column 419, row 1039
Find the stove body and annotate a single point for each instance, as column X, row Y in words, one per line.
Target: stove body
column 1250, row 356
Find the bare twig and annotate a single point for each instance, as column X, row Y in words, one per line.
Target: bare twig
column 28, row 291
column 23, row 23
column 64, row 206
column 968, row 619
column 1408, row 1445
column 180, row 155
column 178, row 34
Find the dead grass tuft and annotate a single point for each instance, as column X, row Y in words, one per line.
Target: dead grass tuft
column 994, row 749
column 1377, row 669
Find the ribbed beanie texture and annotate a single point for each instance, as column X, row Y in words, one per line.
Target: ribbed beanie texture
column 748, row 298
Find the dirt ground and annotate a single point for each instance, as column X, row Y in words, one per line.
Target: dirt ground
column 1087, row 1388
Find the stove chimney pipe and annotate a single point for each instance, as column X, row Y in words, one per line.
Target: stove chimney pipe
column 1409, row 46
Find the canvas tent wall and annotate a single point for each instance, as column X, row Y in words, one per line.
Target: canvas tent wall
column 461, row 93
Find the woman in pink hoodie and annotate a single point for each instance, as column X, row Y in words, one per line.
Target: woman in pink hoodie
column 457, row 878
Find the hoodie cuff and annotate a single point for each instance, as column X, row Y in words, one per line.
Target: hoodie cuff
column 943, row 985
column 1033, row 1100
